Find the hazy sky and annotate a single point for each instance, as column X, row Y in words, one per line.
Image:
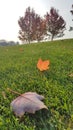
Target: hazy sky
column 11, row 10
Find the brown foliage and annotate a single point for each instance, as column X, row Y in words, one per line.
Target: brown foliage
column 55, row 23
column 32, row 26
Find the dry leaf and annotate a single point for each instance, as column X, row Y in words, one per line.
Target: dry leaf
column 21, row 49
column 71, row 75
column 3, row 94
column 43, row 65
column 28, row 102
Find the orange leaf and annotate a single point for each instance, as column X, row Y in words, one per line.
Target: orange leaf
column 43, row 65
column 21, row 49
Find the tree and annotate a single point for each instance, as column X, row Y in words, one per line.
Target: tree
column 26, row 23
column 32, row 26
column 40, row 28
column 71, row 10
column 55, row 23
column 71, row 28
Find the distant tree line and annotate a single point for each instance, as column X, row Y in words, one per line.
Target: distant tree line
column 35, row 28
column 6, row 43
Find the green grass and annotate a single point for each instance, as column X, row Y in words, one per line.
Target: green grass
column 18, row 72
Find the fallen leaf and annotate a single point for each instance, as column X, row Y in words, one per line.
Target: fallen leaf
column 21, row 49
column 43, row 65
column 3, row 94
column 71, row 75
column 28, row 102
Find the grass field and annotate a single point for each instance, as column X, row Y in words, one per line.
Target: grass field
column 18, row 72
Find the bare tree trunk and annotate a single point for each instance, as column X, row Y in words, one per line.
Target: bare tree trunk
column 52, row 37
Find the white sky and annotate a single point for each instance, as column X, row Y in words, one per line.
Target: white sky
column 11, row 10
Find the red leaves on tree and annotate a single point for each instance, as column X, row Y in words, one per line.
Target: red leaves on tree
column 55, row 23
column 32, row 26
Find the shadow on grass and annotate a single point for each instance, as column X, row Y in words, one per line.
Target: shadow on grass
column 39, row 120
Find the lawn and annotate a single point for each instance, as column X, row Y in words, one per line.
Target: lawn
column 18, row 72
